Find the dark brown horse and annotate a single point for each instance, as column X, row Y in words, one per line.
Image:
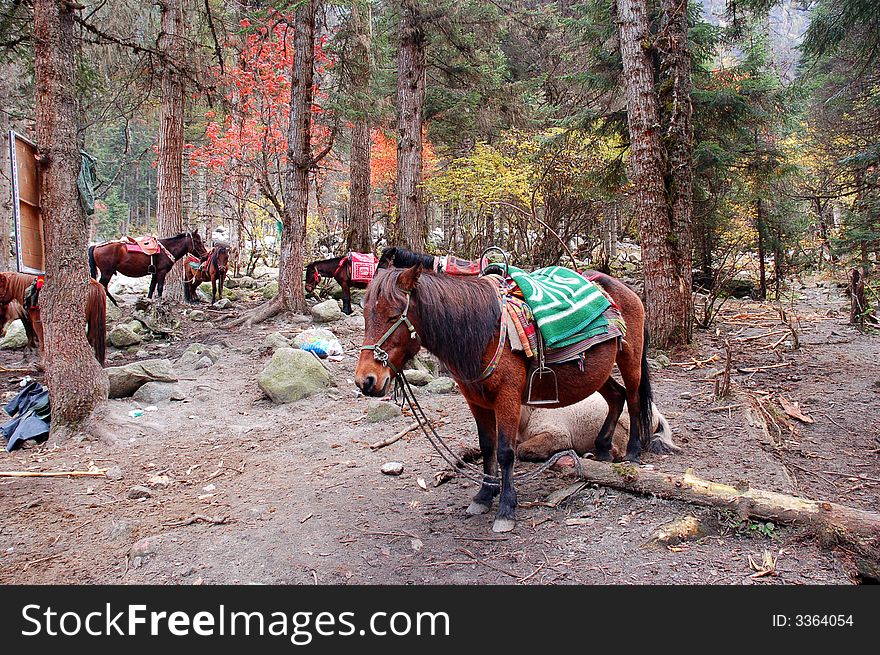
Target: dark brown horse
column 17, row 290
column 214, row 267
column 337, row 268
column 457, row 319
column 114, row 256
column 396, row 257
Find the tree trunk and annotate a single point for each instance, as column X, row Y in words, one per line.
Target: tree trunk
column 410, row 228
column 7, row 76
column 762, row 267
column 169, row 173
column 360, row 238
column 667, row 289
column 858, row 529
column 75, row 380
column 299, row 161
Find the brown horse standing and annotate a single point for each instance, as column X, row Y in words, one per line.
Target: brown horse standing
column 14, row 290
column 114, row 256
column 337, row 268
column 214, row 267
column 457, row 319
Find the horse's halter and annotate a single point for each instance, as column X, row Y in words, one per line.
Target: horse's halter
column 380, row 355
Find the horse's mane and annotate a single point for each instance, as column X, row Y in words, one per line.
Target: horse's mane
column 403, row 258
column 458, row 315
column 17, row 284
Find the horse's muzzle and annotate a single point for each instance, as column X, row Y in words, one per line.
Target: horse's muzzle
column 374, row 383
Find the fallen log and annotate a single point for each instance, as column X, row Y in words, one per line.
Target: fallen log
column 856, row 530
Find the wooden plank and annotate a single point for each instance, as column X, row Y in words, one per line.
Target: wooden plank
column 29, row 249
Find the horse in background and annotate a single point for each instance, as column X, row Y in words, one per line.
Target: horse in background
column 336, row 268
column 114, row 257
column 214, row 267
column 21, row 290
column 395, row 257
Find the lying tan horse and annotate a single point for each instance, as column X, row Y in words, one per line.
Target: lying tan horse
column 545, row 432
column 13, row 289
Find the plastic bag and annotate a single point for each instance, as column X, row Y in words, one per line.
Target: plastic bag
column 324, row 347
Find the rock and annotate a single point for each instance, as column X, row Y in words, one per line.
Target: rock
column 246, row 282
column 201, row 296
column 198, row 315
column 114, row 473
column 113, row 312
column 123, row 336
column 379, row 411
column 313, row 334
column 326, row 312
column 293, row 374
column 659, row 361
column 223, row 303
column 425, row 363
column 15, row 336
column 152, row 393
column 142, row 354
column 276, row 340
column 214, row 352
column 440, row 385
column 686, row 395
column 136, row 326
column 417, row 377
column 177, row 395
column 270, row 290
column 139, row 492
column 145, row 547
column 392, row 468
column 125, row 380
column 120, row 530
column 354, row 322
column 204, row 362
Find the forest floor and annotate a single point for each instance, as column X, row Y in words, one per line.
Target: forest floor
column 298, row 496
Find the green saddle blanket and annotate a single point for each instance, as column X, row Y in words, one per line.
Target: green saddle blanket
column 567, row 307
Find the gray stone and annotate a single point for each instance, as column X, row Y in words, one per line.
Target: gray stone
column 659, row 361
column 246, row 282
column 15, row 336
column 114, row 473
column 440, row 385
column 139, row 492
column 686, row 395
column 123, row 336
column 292, row 374
column 177, row 395
column 125, row 380
column 326, row 312
column 379, row 411
column 223, row 303
column 276, row 340
column 392, row 468
column 270, row 290
column 425, row 363
column 417, row 377
column 113, row 312
column 214, row 352
column 146, row 547
column 313, row 334
column 198, row 315
column 120, row 530
column 204, row 362
column 136, row 326
column 201, row 296
column 153, row 393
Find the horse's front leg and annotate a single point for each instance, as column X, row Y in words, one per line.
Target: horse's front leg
column 346, row 298
column 153, row 287
column 213, row 289
column 615, row 395
column 485, row 419
column 507, row 422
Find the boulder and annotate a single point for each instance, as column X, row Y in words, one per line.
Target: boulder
column 204, row 362
column 223, row 303
column 198, row 315
column 125, row 380
column 417, row 377
column 293, row 374
column 276, row 340
column 326, row 312
column 379, row 411
column 313, row 334
column 214, row 352
column 440, row 385
column 153, row 393
column 123, row 336
column 15, row 336
column 270, row 290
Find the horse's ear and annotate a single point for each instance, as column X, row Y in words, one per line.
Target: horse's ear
column 409, row 278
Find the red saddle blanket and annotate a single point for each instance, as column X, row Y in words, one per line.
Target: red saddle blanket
column 148, row 245
column 363, row 266
column 455, row 266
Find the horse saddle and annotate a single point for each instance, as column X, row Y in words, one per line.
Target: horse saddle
column 193, row 262
column 452, row 265
column 363, row 266
column 149, row 245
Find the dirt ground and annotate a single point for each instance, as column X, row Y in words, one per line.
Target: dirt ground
column 298, row 496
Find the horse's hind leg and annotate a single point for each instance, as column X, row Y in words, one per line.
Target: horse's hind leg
column 346, row 298
column 507, row 423
column 105, row 281
column 633, row 367
column 482, row 502
column 614, row 394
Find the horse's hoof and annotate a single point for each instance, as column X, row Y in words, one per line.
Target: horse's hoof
column 477, row 508
column 604, row 457
column 503, row 525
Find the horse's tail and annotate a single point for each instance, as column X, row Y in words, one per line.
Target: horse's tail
column 96, row 318
column 187, row 291
column 646, row 400
column 93, row 267
column 661, row 441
